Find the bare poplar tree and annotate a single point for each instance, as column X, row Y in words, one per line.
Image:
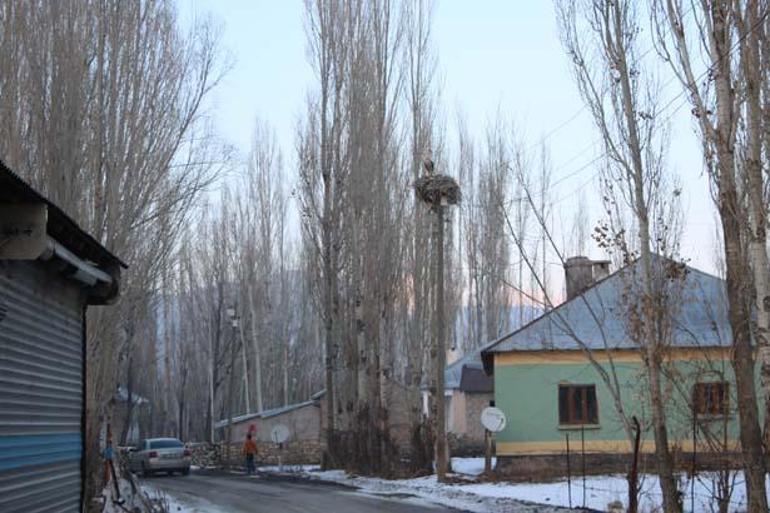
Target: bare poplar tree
column 260, row 232
column 600, row 39
column 753, row 48
column 487, row 250
column 101, row 103
column 716, row 99
column 419, row 60
column 323, row 172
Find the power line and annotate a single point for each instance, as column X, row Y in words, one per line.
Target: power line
column 574, row 116
column 603, row 155
column 664, row 108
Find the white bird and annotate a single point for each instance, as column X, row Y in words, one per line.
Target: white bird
column 427, row 163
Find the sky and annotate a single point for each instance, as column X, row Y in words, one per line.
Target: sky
column 494, row 57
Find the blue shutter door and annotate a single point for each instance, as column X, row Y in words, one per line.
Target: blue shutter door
column 41, row 391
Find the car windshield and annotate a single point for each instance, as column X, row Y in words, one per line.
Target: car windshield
column 165, row 444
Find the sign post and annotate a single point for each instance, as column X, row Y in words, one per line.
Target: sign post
column 493, row 420
column 487, row 452
column 279, row 434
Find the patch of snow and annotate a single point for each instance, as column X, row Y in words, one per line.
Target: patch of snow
column 128, row 499
column 288, row 468
column 470, row 466
column 185, row 504
column 427, row 490
column 698, row 496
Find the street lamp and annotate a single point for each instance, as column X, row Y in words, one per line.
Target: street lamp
column 234, row 322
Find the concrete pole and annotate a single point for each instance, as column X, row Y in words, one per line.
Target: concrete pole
column 441, row 441
column 230, row 394
column 247, row 397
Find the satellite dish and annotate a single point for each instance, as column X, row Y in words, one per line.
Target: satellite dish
column 493, row 419
column 279, row 434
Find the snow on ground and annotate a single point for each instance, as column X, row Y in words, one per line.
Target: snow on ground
column 184, row 504
column 470, row 466
column 288, row 468
column 129, row 499
column 427, row 489
column 600, row 491
column 698, row 496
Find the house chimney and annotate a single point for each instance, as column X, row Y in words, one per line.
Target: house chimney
column 582, row 272
column 601, row 269
column 578, row 271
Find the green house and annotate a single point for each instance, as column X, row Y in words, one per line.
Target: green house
column 572, row 379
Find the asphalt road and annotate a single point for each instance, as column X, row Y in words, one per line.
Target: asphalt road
column 216, row 492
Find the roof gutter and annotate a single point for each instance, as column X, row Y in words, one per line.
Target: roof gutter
column 82, row 271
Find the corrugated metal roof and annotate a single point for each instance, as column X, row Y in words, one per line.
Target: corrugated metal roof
column 599, row 319
column 453, row 373
column 265, row 414
column 284, row 409
column 236, row 420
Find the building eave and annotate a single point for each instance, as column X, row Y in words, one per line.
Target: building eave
column 64, row 245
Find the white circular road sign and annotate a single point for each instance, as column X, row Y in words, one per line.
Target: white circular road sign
column 279, row 434
column 493, row 419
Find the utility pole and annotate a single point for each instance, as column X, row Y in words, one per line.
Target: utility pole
column 247, row 397
column 234, row 322
column 441, row 441
column 438, row 192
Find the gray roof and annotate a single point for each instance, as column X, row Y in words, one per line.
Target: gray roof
column 465, row 374
column 598, row 318
column 476, row 381
column 454, row 372
column 265, row 414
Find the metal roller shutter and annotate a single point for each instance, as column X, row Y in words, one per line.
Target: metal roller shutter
column 41, row 391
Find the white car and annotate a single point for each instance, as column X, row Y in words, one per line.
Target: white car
column 159, row 455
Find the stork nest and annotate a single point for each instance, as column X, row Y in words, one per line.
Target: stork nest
column 431, row 189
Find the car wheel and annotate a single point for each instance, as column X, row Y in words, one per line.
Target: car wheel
column 186, row 471
column 145, row 471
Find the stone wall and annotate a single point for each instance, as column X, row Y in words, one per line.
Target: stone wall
column 534, row 467
column 298, row 452
column 466, row 433
column 291, row 453
column 204, row 454
column 464, row 446
column 474, row 405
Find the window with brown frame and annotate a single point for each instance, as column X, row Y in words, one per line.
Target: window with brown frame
column 577, row 405
column 711, row 398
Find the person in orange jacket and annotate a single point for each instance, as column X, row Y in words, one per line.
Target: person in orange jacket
column 250, row 450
